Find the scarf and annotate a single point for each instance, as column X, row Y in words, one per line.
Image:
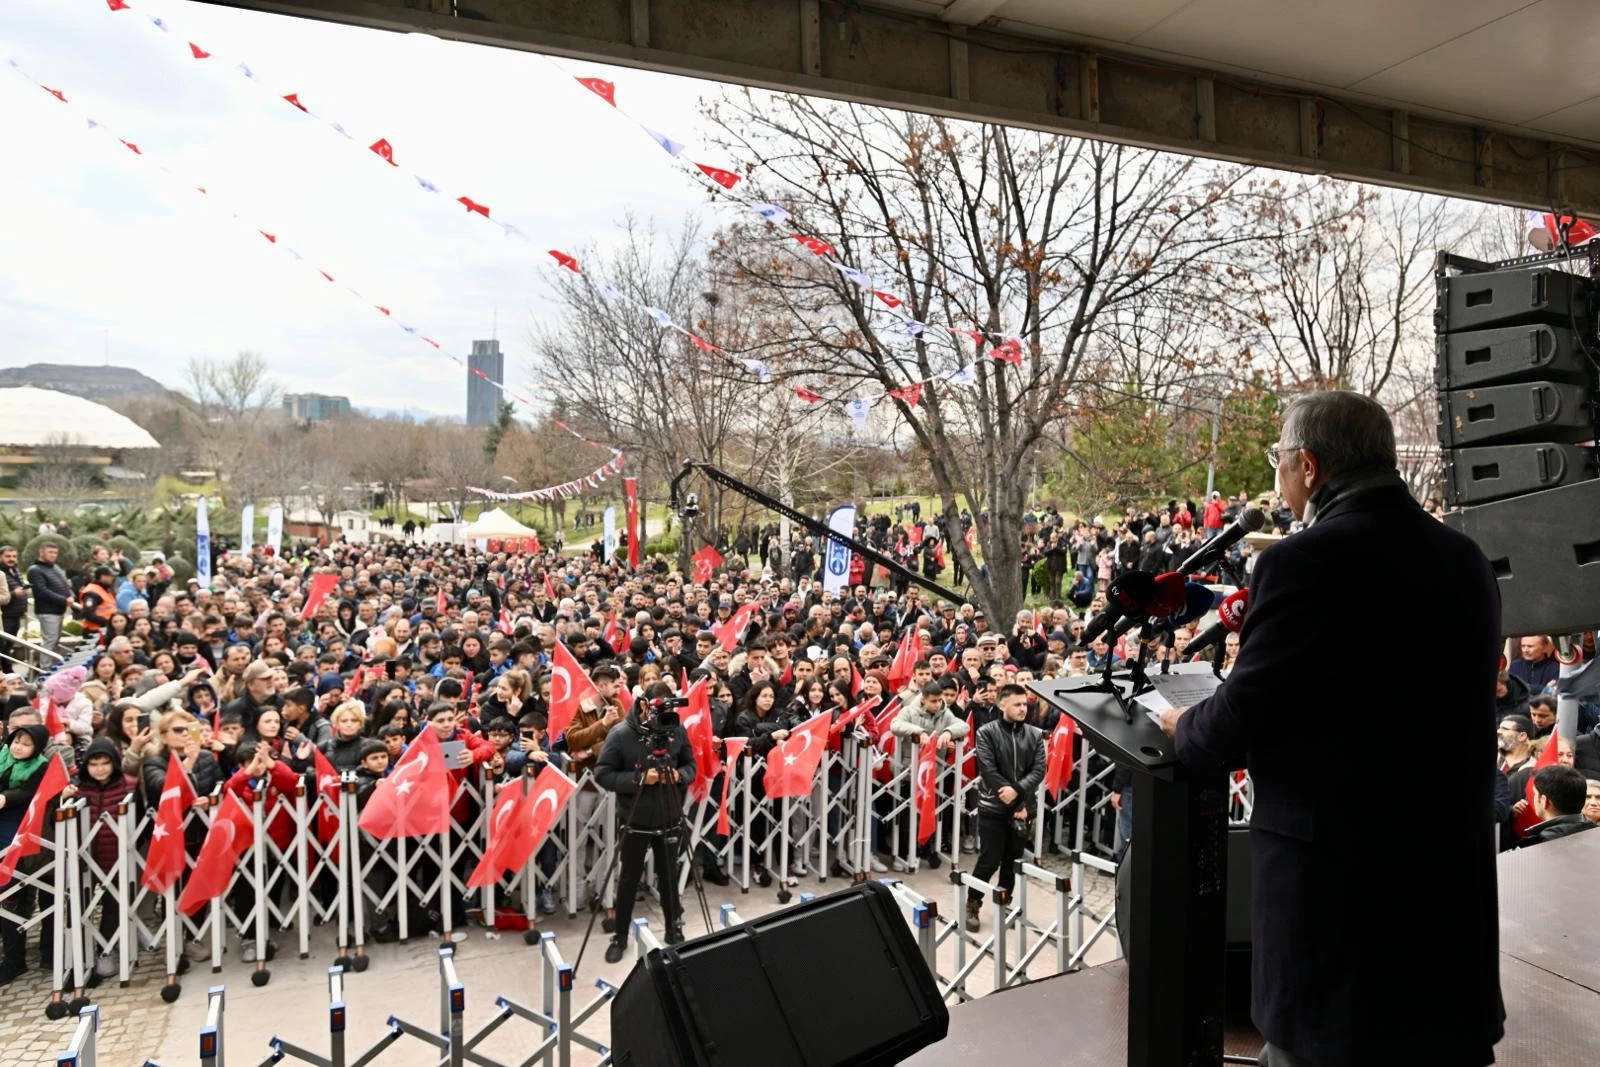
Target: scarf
column 1334, row 491
column 13, row 772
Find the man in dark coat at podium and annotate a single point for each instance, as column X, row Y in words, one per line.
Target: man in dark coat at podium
column 1370, row 944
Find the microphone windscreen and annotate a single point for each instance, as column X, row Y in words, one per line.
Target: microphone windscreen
column 1252, row 519
column 1232, row 610
column 1197, row 600
column 1169, row 594
column 1131, row 592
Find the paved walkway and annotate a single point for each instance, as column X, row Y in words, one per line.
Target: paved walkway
column 135, row 1025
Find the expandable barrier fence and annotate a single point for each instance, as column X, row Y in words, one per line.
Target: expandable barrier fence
column 308, row 864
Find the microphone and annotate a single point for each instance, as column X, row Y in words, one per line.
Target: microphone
column 1169, row 596
column 1249, row 521
column 1197, row 600
column 1128, row 594
column 1230, row 617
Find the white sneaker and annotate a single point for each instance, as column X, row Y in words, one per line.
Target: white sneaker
column 799, row 867
column 877, row 866
column 792, row 879
column 969, row 843
column 901, row 865
column 197, row 951
column 247, row 952
column 106, row 965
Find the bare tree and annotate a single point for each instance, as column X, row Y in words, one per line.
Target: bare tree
column 234, row 399
column 1038, row 242
column 59, row 474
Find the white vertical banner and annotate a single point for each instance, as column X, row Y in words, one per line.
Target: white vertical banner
column 608, row 535
column 247, row 529
column 275, row 529
column 836, row 572
column 202, row 543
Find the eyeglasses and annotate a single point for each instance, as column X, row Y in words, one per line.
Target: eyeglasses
column 1274, row 452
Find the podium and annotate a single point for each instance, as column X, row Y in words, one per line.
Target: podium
column 1178, row 873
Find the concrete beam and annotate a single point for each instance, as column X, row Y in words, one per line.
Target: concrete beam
column 892, row 58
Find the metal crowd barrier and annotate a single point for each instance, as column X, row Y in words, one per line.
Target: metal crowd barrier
column 81, row 1051
column 27, row 665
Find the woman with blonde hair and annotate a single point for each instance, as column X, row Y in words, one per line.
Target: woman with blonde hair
column 343, row 749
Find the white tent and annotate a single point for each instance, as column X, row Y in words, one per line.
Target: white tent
column 495, row 523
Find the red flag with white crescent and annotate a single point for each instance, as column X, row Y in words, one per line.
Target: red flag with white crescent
column 728, row 633
column 926, row 783
column 570, row 686
column 1058, row 757
column 165, row 859
column 415, row 798
column 230, row 834
column 31, row 829
column 697, row 724
column 793, row 763
column 734, row 746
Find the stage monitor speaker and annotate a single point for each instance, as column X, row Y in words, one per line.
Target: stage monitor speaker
column 1523, row 412
column 835, row 980
column 1545, row 551
column 1478, row 475
column 1509, row 354
column 1512, row 297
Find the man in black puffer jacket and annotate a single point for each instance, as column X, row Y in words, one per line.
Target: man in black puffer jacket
column 1011, row 762
column 650, row 796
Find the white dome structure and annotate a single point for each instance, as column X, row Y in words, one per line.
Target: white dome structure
column 39, row 418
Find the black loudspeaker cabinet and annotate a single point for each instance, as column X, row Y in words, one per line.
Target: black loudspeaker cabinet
column 1478, row 475
column 833, row 981
column 1526, row 411
column 1509, row 354
column 1545, row 551
column 1512, row 297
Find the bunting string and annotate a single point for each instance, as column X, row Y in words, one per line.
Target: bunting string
column 383, row 149
column 565, row 490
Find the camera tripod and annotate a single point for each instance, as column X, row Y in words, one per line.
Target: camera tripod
column 676, row 834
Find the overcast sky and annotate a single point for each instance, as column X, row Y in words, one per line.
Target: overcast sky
column 101, row 249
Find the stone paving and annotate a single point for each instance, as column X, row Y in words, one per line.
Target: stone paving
column 135, row 1025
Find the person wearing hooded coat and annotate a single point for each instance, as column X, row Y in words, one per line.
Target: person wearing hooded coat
column 101, row 797
column 20, row 775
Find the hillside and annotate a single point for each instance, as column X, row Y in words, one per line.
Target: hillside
column 100, row 384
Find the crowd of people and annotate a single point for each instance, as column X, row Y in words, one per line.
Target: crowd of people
column 245, row 685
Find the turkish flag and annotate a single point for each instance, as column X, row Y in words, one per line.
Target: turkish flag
column 725, row 178
column 549, row 587
column 702, row 343
column 734, row 747
column 791, row 765
column 441, row 603
column 1547, row 758
column 905, row 658
column 613, row 636
column 909, row 393
column 51, row 715
column 566, row 261
column 728, row 633
column 321, row 587
column 415, row 798
column 198, row 52
column 328, row 789
column 550, row 791
column 601, row 88
column 885, row 719
column 230, row 834
column 927, row 768
column 977, row 337
column 816, row 245
column 294, row 98
column 385, row 150
column 706, row 561
column 807, row 395
column 969, row 765
column 165, row 860
column 630, row 495
column 472, row 205
column 697, row 724
column 523, row 815
column 888, row 298
column 1058, row 758
column 27, row 841
column 569, row 687
column 117, row 5
column 1008, row 351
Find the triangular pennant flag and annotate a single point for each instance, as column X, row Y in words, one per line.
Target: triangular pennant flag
column 600, row 87
column 758, row 368
column 198, row 52
column 770, row 212
column 807, row 395
column 130, row 146
column 566, row 261
column 294, row 98
column 671, row 147
column 117, row 5
column 858, row 410
column 816, row 245
column 725, row 178
column 702, row 343
column 888, row 298
column 473, row 205
column 384, row 150
column 908, row 393
column 1008, row 351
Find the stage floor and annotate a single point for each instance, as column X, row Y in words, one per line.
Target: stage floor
column 1549, row 977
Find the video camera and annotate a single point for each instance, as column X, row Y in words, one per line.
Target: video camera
column 661, row 722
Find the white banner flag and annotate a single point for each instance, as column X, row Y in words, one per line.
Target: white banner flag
column 202, row 543
column 247, row 529
column 608, row 536
column 275, row 529
column 836, row 575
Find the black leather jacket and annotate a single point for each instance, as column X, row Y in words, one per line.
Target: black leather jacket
column 1009, row 753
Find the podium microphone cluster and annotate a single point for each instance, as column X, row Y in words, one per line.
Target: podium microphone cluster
column 1230, row 617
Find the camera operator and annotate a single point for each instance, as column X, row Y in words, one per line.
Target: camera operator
column 648, row 763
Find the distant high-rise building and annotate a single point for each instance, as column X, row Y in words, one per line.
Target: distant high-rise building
column 483, row 399
column 315, row 407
